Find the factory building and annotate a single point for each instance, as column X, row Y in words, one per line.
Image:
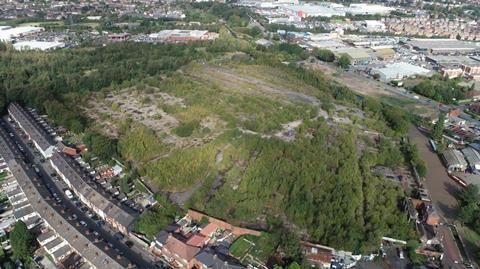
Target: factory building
column 399, row 71
column 454, row 161
column 444, row 46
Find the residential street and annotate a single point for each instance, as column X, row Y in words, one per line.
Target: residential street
column 442, row 190
column 115, row 248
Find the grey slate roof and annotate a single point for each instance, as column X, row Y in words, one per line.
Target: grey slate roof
column 28, row 123
column 62, row 251
column 22, row 212
column 77, row 240
column 78, row 180
column 212, row 259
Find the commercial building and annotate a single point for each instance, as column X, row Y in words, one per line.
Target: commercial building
column 9, row 33
column 180, row 36
column 384, row 54
column 368, row 9
column 42, row 140
column 399, row 71
column 356, row 55
column 317, row 10
column 456, row 66
column 118, row 37
column 38, row 45
column 454, row 160
column 99, row 201
column 444, row 46
column 373, row 26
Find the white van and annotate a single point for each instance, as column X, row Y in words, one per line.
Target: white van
column 69, row 194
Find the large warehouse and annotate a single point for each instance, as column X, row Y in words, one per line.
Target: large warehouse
column 444, row 46
column 38, row 45
column 454, row 160
column 399, row 71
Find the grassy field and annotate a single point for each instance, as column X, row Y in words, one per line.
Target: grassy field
column 257, row 247
column 43, row 23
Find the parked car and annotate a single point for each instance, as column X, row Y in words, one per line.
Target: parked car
column 119, row 236
column 83, row 223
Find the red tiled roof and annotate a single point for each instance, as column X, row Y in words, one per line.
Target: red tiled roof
column 173, row 245
column 197, row 240
column 209, row 229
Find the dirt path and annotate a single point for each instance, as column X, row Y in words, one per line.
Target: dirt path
column 234, row 80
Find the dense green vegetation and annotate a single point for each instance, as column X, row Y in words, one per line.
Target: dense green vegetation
column 324, row 55
column 440, row 89
column 321, row 181
column 22, row 242
column 158, row 217
column 469, row 202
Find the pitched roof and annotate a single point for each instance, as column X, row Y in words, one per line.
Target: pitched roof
column 212, row 259
column 209, row 229
column 178, row 247
column 197, row 240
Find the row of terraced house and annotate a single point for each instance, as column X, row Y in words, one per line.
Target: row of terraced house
column 79, row 180
column 62, row 241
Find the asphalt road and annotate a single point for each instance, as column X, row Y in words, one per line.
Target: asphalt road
column 442, row 190
column 106, row 241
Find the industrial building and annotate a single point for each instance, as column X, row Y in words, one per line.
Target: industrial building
column 473, row 158
column 444, row 46
column 399, row 71
column 456, row 66
column 38, row 45
column 317, row 10
column 8, row 33
column 454, row 161
column 356, row 55
column 179, row 36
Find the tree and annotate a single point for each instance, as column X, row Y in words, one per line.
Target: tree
column 344, row 61
column 469, row 195
column 22, row 242
column 469, row 199
column 421, row 168
column 324, row 55
column 437, row 130
column 102, row 146
column 294, row 265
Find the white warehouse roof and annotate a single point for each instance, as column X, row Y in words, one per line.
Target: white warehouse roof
column 399, row 71
column 9, row 33
column 37, row 45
